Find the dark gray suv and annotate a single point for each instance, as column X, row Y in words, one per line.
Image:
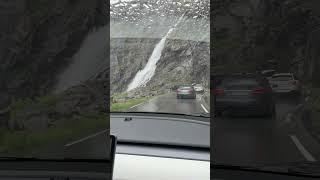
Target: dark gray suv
column 186, row 92
column 244, row 93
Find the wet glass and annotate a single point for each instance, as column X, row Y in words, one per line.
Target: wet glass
column 277, row 127
column 282, row 78
column 53, row 73
column 156, row 47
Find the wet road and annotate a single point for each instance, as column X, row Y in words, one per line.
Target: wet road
column 90, row 146
column 170, row 104
column 254, row 140
column 95, row 145
column 234, row 140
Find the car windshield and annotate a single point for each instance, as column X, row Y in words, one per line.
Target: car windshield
column 268, row 74
column 53, row 65
column 238, row 83
column 277, row 122
column 158, row 49
column 185, row 88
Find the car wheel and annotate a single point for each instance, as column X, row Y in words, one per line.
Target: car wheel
column 178, row 97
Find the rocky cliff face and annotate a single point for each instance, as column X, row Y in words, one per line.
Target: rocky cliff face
column 127, row 57
column 257, row 31
column 38, row 40
column 136, row 28
column 181, row 62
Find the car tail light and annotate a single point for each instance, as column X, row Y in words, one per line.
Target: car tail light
column 218, row 92
column 259, row 90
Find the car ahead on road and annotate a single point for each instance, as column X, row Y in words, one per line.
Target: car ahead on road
column 244, row 93
column 186, row 92
column 268, row 73
column 161, row 146
column 198, row 88
column 285, row 83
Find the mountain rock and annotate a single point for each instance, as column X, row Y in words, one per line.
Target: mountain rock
column 285, row 31
column 37, row 41
column 181, row 62
column 39, row 114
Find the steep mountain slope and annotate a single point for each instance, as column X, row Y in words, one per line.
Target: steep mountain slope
column 136, row 28
column 285, row 31
column 181, row 62
column 38, row 40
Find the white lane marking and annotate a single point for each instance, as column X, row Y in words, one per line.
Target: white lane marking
column 136, row 105
column 85, row 138
column 204, row 108
column 302, row 149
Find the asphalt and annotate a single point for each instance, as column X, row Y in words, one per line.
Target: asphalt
column 243, row 140
column 85, row 155
column 168, row 103
column 95, row 145
column 91, row 146
column 236, row 140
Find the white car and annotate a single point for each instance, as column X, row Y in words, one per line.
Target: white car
column 198, row 88
column 285, row 83
column 268, row 73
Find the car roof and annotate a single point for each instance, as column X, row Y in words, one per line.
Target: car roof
column 256, row 77
column 283, row 74
column 248, row 75
column 269, row 70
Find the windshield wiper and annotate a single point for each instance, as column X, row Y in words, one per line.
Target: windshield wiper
column 293, row 169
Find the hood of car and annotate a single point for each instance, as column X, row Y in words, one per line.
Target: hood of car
column 176, row 131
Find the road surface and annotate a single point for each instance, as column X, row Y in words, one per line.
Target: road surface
column 235, row 140
column 91, row 146
column 170, row 104
column 95, row 145
column 252, row 140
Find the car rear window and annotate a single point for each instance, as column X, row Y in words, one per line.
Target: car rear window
column 240, row 84
column 185, row 88
column 267, row 74
column 282, row 78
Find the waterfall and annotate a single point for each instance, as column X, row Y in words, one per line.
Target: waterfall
column 144, row 76
column 87, row 62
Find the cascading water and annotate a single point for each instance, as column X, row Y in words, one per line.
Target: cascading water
column 144, row 76
column 88, row 61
